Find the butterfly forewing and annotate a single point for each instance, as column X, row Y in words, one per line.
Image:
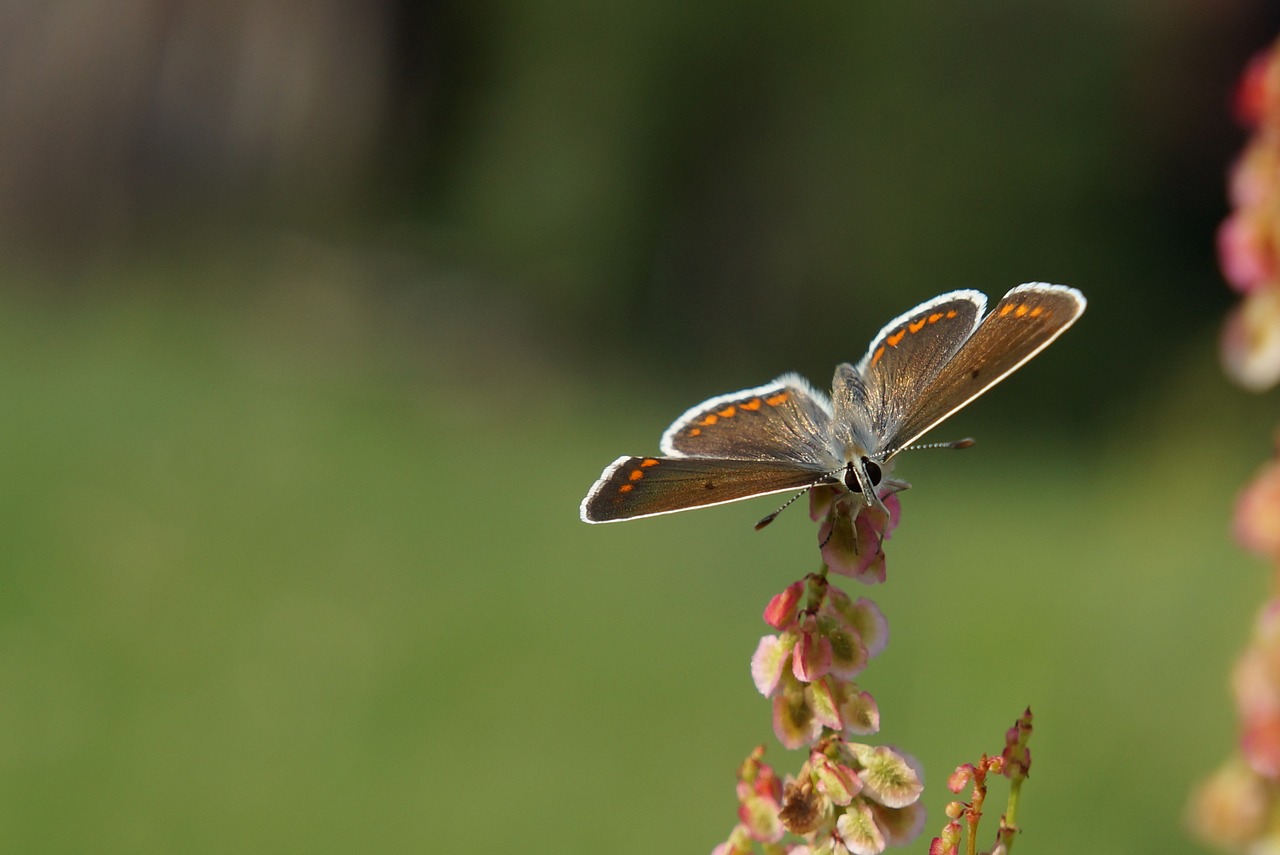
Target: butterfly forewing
column 1022, row 324
column 908, row 353
column 645, row 486
column 785, row 420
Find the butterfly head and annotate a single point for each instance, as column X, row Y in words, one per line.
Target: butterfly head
column 863, row 475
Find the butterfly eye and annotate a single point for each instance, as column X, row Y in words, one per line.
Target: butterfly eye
column 851, row 475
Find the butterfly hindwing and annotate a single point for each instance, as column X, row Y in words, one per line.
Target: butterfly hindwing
column 646, row 486
column 1022, row 324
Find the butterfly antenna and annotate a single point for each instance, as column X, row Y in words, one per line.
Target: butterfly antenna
column 789, row 502
column 967, row 442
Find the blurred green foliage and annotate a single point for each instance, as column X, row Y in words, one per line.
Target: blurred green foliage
column 277, row 580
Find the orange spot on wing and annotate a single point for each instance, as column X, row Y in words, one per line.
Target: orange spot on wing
column 951, row 313
column 753, row 404
column 727, row 412
column 879, row 353
column 1006, row 309
column 1022, row 309
column 695, row 432
column 710, row 419
column 935, row 317
column 636, row 475
column 780, row 398
column 916, row 326
column 1037, row 311
column 895, row 338
column 648, row 461
column 625, row 488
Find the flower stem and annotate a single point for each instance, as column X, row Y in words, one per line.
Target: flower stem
column 1009, row 822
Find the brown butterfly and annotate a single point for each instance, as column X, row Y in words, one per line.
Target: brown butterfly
column 922, row 366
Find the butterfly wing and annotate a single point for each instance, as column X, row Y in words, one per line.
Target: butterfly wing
column 633, row 487
column 874, row 398
column 1022, row 324
column 786, row 420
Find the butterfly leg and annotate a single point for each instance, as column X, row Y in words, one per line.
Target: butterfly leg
column 893, row 485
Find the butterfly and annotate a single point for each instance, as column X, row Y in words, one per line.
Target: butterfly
column 920, row 368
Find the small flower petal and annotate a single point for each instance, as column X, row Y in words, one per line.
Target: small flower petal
column 812, row 657
column 1257, row 516
column 820, row 501
column 848, row 655
column 887, row 777
column 860, row 714
column 851, row 543
column 835, row 780
column 900, row 826
column 858, row 830
column 826, row 704
column 770, row 660
column 1251, row 341
column 864, row 616
column 739, row 843
column 1245, row 252
column 794, row 722
column 760, row 818
column 1230, row 809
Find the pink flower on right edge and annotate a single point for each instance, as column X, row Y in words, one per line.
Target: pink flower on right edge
column 1235, row 808
column 1249, row 239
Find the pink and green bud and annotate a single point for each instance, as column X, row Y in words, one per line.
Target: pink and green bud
column 1016, row 758
column 949, row 842
column 960, row 778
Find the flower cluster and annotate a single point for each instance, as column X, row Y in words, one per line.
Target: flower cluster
column 808, row 668
column 1249, row 239
column 847, row 797
column 1238, row 807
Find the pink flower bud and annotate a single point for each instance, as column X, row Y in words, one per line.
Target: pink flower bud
column 781, row 611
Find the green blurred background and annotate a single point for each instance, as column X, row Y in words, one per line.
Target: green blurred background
column 318, row 320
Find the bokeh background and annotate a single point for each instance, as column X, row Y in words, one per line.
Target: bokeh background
column 317, row 320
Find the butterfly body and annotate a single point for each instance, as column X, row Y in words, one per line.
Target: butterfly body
column 920, row 368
